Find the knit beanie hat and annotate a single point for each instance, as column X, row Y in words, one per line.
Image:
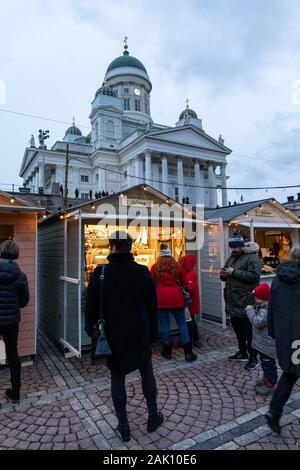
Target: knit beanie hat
column 262, row 292
column 164, row 250
column 236, row 240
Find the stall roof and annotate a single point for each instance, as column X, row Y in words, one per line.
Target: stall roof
column 146, row 189
column 13, row 204
column 228, row 213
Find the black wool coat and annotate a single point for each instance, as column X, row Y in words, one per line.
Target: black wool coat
column 284, row 315
column 130, row 311
column 14, row 292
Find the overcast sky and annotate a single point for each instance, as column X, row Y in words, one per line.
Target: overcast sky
column 237, row 61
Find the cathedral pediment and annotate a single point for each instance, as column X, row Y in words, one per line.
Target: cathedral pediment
column 189, row 135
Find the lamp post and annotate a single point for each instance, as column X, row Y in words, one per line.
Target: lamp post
column 43, row 135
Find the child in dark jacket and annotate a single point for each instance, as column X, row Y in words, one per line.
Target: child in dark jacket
column 261, row 341
column 188, row 264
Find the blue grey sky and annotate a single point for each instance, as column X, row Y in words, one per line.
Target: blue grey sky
column 236, row 60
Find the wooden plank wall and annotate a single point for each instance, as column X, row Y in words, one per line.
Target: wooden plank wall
column 25, row 236
column 50, row 287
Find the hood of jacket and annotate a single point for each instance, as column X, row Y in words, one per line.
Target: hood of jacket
column 189, row 262
column 289, row 272
column 251, row 247
column 9, row 272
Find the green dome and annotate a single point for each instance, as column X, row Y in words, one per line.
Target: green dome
column 73, row 130
column 106, row 90
column 189, row 112
column 126, row 60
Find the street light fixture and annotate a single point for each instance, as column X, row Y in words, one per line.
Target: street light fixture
column 43, row 136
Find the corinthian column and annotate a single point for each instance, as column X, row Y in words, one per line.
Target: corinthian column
column 148, row 167
column 212, row 185
column 224, row 185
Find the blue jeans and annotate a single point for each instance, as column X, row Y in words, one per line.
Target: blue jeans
column 269, row 368
column 164, row 318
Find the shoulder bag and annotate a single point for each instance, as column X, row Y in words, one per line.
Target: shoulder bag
column 100, row 346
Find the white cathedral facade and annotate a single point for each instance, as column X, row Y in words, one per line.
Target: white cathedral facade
column 125, row 147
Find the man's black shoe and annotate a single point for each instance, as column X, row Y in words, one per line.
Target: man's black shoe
column 124, row 432
column 273, row 422
column 154, row 422
column 14, row 397
column 239, row 357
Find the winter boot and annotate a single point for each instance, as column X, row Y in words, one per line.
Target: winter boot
column 13, row 396
column 266, row 389
column 259, row 382
column 124, row 432
column 166, row 351
column 155, row 421
column 188, row 352
column 273, row 422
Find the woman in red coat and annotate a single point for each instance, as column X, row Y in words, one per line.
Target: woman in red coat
column 188, row 264
column 168, row 276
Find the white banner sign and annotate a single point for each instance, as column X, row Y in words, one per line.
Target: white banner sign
column 127, row 202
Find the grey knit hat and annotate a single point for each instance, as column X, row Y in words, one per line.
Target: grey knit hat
column 236, row 240
column 165, row 252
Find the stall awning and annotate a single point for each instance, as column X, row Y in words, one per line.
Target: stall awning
column 281, row 225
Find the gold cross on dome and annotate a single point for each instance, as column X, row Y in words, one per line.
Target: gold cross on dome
column 187, row 102
column 125, row 42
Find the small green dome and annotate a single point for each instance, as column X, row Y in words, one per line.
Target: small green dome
column 73, row 130
column 126, row 60
column 106, row 90
column 189, row 112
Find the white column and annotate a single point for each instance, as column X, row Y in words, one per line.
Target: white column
column 34, row 182
column 155, row 173
column 148, row 168
column 101, row 180
column 181, row 191
column 137, row 170
column 59, row 175
column 212, row 184
column 42, row 175
column 37, row 178
column 165, row 175
column 199, row 192
column 224, row 185
column 75, row 180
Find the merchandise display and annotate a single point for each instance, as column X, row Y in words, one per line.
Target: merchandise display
column 145, row 247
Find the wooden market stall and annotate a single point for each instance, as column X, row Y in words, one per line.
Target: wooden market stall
column 73, row 242
column 18, row 221
column 274, row 227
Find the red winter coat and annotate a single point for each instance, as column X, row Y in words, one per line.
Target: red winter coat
column 192, row 284
column 169, row 294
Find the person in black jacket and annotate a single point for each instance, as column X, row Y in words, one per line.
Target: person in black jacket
column 14, row 294
column 129, row 310
column 284, row 327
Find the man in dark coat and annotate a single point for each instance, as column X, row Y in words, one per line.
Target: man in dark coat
column 14, row 295
column 241, row 275
column 130, row 314
column 284, row 327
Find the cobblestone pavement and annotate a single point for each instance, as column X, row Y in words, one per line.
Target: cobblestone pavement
column 209, row 404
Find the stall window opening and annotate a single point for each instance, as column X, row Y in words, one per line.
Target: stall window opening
column 6, row 233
